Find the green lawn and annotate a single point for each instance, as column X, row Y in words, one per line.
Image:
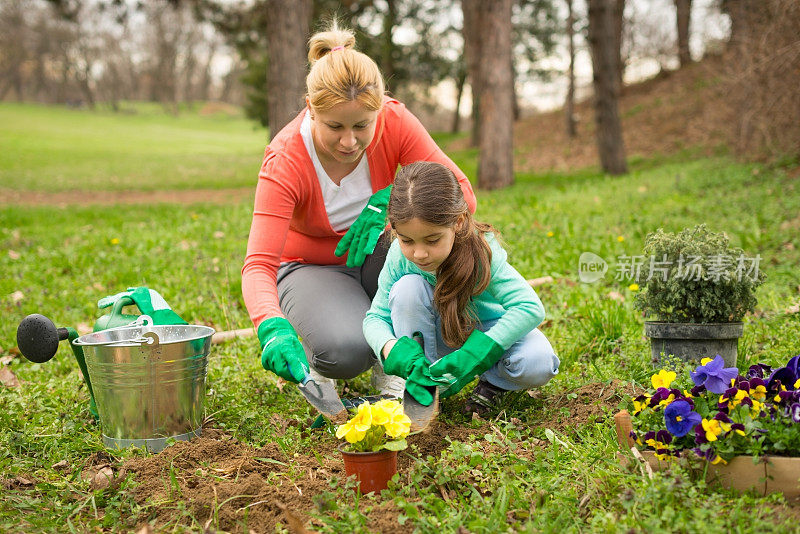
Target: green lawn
column 48, row 148
column 59, row 261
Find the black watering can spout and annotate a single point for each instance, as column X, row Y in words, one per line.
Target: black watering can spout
column 38, row 338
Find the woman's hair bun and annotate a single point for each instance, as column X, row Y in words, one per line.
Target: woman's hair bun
column 322, row 43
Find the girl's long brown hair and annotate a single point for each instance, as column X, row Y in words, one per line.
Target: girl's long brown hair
column 430, row 192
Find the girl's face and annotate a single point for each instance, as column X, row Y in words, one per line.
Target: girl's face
column 424, row 244
column 342, row 133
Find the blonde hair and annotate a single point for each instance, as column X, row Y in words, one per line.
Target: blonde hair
column 339, row 73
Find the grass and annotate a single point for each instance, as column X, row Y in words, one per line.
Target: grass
column 59, row 261
column 48, row 148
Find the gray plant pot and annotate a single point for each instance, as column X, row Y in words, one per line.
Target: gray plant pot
column 694, row 341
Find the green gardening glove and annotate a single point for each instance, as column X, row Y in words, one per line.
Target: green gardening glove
column 149, row 301
column 478, row 354
column 361, row 238
column 281, row 351
column 407, row 360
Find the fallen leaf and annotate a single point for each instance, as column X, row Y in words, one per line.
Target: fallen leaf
column 219, row 235
column 793, row 309
column 147, row 529
column 535, row 282
column 23, row 481
column 63, row 464
column 17, row 296
column 103, row 478
column 8, row 358
column 8, row 378
column 280, row 383
column 13, row 254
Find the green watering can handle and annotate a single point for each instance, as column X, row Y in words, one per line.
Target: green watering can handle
column 121, row 303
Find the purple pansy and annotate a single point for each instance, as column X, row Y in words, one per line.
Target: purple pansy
column 759, row 370
column 787, row 376
column 794, row 410
column 680, row 418
column 714, row 375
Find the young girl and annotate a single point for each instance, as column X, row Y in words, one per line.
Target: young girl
column 446, row 279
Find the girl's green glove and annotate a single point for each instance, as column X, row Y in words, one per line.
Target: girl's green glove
column 361, row 238
column 407, row 360
column 478, row 354
column 281, row 351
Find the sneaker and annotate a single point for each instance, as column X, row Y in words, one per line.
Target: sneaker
column 484, row 398
column 387, row 384
column 318, row 378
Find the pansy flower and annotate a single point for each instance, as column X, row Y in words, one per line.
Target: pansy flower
column 794, row 411
column 663, row 379
column 759, row 370
column 712, row 428
column 680, row 418
column 714, row 375
column 785, row 375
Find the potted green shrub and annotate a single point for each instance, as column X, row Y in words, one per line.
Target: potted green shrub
column 698, row 289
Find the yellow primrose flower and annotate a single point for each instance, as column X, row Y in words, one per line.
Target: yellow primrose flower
column 663, row 379
column 380, row 412
column 634, row 287
column 399, row 424
column 712, row 429
column 356, row 428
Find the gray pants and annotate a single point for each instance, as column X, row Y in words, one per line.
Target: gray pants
column 327, row 304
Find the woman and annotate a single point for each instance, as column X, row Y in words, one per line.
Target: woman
column 315, row 247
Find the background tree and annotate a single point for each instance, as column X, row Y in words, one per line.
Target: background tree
column 683, row 15
column 569, row 103
column 496, row 161
column 287, row 34
column 603, row 44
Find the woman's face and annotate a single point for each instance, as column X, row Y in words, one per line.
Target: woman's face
column 342, row 133
column 424, row 244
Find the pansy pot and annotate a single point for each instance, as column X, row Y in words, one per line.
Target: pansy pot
column 694, row 341
column 372, row 470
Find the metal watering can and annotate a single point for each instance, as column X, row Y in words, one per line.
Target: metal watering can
column 146, row 382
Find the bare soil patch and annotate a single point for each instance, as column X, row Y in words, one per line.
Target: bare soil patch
column 107, row 198
column 215, row 477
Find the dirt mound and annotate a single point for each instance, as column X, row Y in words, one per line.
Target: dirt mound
column 675, row 110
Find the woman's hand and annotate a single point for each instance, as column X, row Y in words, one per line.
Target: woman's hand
column 361, row 238
column 281, row 351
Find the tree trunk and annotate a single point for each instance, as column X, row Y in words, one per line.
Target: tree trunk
column 496, row 163
column 287, row 35
column 473, row 44
column 569, row 105
column 460, row 83
column 684, row 11
column 387, row 49
column 606, row 89
column 619, row 17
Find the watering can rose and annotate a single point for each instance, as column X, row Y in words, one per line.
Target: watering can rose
column 382, row 425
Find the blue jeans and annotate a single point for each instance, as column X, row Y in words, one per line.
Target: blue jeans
column 530, row 362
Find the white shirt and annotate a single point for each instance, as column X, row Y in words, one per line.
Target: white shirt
column 343, row 202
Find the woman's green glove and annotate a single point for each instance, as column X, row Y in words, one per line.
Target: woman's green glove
column 478, row 354
column 281, row 351
column 361, row 238
column 407, row 360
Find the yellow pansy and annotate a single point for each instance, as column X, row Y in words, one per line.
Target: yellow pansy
column 356, row 428
column 666, row 402
column 718, row 460
column 638, row 406
column 662, row 379
column 797, row 384
column 712, row 429
column 704, row 361
column 759, row 393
